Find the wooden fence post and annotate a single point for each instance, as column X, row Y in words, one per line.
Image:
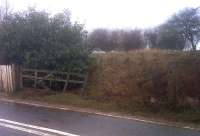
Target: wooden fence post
column 35, row 79
column 84, row 84
column 17, row 77
column 13, row 76
column 21, row 77
column 66, row 83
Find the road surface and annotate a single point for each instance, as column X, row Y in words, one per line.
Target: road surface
column 23, row 120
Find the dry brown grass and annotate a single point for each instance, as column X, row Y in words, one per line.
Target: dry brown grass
column 151, row 83
column 146, row 77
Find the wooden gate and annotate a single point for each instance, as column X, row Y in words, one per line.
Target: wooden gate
column 12, row 78
column 41, row 76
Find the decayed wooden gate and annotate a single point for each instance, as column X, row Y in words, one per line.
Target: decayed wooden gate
column 12, row 78
column 41, row 76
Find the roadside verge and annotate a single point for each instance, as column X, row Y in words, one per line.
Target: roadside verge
column 96, row 112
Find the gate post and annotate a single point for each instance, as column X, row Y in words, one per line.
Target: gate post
column 18, row 79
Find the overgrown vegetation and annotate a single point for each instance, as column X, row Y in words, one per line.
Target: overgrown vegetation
column 151, row 83
column 38, row 39
column 188, row 116
column 150, row 78
column 140, row 81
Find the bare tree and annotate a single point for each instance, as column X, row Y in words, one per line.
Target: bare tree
column 151, row 38
column 187, row 23
column 133, row 39
column 108, row 40
column 99, row 39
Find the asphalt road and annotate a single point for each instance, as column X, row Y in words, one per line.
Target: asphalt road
column 23, row 120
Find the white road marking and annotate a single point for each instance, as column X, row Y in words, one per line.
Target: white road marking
column 25, row 130
column 37, row 127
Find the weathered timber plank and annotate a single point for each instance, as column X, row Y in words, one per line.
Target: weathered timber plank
column 41, row 78
column 75, row 81
column 55, row 72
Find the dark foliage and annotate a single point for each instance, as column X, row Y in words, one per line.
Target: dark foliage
column 37, row 39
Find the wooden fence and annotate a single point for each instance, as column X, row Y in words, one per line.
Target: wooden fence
column 7, row 78
column 40, row 76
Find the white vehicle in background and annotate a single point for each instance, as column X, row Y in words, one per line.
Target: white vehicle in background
column 98, row 51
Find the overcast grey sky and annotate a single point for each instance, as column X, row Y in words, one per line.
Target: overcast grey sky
column 111, row 13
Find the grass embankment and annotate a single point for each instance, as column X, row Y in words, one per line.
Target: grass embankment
column 69, row 99
column 151, row 83
column 147, row 78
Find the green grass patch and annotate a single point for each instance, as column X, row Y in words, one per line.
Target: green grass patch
column 70, row 99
